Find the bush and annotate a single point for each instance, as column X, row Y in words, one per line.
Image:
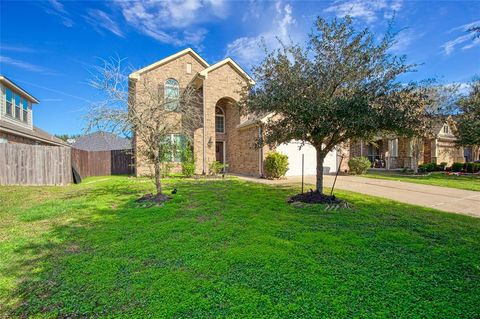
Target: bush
column 167, row 169
column 359, row 165
column 457, row 167
column 472, row 167
column 276, row 165
column 216, row 167
column 188, row 162
column 442, row 166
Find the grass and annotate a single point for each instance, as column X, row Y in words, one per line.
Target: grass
column 468, row 182
column 228, row 248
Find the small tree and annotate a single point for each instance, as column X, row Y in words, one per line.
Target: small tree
column 342, row 86
column 148, row 113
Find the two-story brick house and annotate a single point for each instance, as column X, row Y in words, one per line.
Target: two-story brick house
column 16, row 117
column 225, row 135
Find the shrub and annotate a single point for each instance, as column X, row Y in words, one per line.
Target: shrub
column 188, row 169
column 422, row 168
column 276, row 165
column 457, row 167
column 188, row 162
column 442, row 166
column 472, row 167
column 216, row 167
column 359, row 165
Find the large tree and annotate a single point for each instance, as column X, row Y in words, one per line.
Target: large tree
column 342, row 86
column 468, row 119
column 143, row 107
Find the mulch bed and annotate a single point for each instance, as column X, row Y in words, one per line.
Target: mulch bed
column 153, row 199
column 314, row 198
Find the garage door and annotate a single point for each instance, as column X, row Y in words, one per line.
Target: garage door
column 295, row 159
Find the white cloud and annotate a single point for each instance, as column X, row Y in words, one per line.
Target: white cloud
column 248, row 50
column 21, row 64
column 404, row 39
column 101, row 20
column 57, row 9
column 17, row 48
column 465, row 41
column 173, row 22
column 370, row 11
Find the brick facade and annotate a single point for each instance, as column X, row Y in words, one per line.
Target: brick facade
column 220, row 87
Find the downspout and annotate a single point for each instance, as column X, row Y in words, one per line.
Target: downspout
column 204, row 129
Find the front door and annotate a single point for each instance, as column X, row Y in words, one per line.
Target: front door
column 219, row 152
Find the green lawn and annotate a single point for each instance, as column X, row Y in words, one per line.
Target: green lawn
column 228, row 248
column 468, row 182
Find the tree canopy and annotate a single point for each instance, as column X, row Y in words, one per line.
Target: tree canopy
column 342, row 85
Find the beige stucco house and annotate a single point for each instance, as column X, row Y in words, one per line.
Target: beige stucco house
column 225, row 135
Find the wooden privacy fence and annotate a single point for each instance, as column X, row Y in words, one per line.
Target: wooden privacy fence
column 22, row 164
column 101, row 163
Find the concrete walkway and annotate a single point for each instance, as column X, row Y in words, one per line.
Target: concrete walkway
column 443, row 198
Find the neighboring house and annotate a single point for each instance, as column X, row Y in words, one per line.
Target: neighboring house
column 397, row 152
column 16, row 117
column 225, row 135
column 101, row 141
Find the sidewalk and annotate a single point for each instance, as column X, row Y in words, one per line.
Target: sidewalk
column 443, row 198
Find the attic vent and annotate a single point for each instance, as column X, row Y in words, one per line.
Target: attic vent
column 189, row 68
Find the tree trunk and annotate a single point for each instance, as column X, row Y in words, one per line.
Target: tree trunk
column 158, row 176
column 320, row 158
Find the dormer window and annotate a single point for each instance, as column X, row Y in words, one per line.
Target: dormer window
column 446, row 129
column 172, row 93
column 219, row 120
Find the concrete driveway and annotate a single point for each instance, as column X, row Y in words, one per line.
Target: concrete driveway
column 443, row 198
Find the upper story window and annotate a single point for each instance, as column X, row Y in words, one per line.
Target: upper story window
column 172, row 93
column 9, row 100
column 446, row 129
column 189, row 68
column 25, row 110
column 219, row 120
column 17, row 106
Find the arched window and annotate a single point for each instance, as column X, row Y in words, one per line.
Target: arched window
column 172, row 93
column 219, row 120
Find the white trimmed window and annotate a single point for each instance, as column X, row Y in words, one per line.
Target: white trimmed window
column 189, row 68
column 446, row 129
column 393, row 147
column 219, row 120
column 25, row 110
column 9, row 100
column 174, row 145
column 172, row 94
column 17, row 106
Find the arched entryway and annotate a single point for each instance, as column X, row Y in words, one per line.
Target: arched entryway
column 223, row 127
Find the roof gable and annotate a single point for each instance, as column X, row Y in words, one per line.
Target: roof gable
column 7, row 82
column 234, row 66
column 169, row 59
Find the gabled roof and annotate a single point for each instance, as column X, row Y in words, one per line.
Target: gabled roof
column 233, row 64
column 6, row 81
column 101, row 141
column 168, row 59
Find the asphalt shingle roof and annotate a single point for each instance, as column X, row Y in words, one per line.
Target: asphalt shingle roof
column 102, row 141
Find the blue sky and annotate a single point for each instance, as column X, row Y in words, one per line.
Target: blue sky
column 49, row 47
